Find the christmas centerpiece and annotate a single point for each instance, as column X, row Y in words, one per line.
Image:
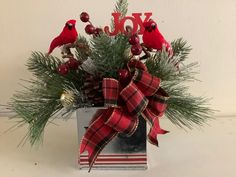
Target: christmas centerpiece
column 130, row 73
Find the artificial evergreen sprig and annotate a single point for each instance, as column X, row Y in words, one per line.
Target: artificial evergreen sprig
column 45, row 68
column 40, row 100
column 35, row 105
column 109, row 54
column 173, row 68
column 82, row 48
column 40, row 65
column 180, row 49
column 121, row 7
column 183, row 109
column 186, row 110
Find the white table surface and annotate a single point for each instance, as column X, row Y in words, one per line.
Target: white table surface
column 206, row 152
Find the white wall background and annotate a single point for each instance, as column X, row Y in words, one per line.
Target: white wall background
column 208, row 25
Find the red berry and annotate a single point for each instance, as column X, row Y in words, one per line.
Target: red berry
column 90, row 29
column 73, row 64
column 124, row 76
column 134, row 39
column 136, row 49
column 132, row 62
column 84, row 17
column 98, row 31
column 63, row 69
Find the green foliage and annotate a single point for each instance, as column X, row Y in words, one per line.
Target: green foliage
column 109, row 54
column 35, row 105
column 122, row 7
column 81, row 52
column 42, row 66
column 45, row 68
column 40, row 100
column 184, row 109
column 165, row 67
column 180, row 49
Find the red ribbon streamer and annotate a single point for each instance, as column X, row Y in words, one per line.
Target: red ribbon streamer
column 142, row 97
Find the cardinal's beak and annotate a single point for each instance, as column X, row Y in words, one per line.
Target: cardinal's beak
column 148, row 29
column 69, row 25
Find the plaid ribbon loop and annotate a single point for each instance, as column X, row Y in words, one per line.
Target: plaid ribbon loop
column 147, row 83
column 142, row 97
column 134, row 99
column 110, row 89
column 157, row 103
column 136, row 64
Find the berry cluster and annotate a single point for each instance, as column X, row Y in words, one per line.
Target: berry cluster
column 71, row 64
column 136, row 48
column 89, row 29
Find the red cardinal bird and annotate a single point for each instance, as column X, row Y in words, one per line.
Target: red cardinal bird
column 68, row 35
column 152, row 38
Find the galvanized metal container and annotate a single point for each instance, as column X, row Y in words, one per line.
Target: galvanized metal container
column 122, row 152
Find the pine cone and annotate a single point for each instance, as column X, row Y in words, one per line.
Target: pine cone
column 92, row 89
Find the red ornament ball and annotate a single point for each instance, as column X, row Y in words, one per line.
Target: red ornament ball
column 134, row 39
column 84, row 17
column 136, row 49
column 90, row 29
column 63, row 69
column 73, row 64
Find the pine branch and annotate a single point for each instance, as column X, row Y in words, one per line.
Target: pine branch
column 82, row 52
column 40, row 100
column 183, row 109
column 35, row 105
column 180, row 49
column 173, row 69
column 42, row 66
column 45, row 68
column 121, row 7
column 109, row 54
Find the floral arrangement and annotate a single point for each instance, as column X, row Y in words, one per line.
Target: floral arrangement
column 133, row 73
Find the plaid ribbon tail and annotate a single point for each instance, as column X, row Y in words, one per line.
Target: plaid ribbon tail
column 156, row 108
column 96, row 137
column 155, row 129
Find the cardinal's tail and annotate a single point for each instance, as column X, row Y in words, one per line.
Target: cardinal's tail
column 55, row 43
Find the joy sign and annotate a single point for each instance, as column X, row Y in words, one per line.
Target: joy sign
column 119, row 23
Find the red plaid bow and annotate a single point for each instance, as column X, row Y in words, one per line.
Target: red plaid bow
column 141, row 98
